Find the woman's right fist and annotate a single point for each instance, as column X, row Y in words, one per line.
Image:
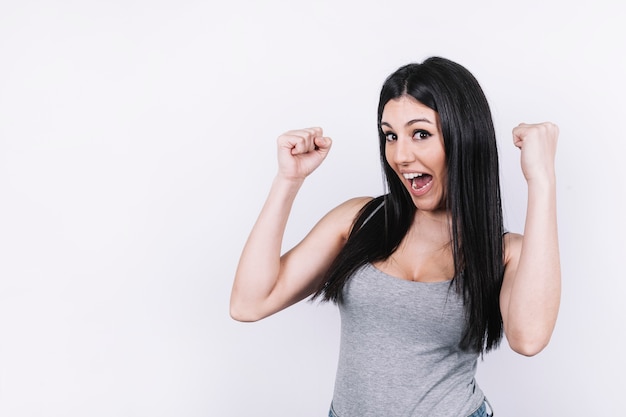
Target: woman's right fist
column 301, row 151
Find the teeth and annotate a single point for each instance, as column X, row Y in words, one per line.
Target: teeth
column 412, row 175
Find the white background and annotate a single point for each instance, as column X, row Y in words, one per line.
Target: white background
column 137, row 144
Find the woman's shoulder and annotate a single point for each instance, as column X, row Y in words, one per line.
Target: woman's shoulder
column 356, row 203
column 351, row 207
column 343, row 216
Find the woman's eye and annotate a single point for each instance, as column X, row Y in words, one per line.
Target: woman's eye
column 390, row 136
column 421, row 134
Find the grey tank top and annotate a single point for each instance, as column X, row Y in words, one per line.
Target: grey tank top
column 399, row 354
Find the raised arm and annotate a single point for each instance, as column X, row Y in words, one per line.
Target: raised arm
column 265, row 282
column 531, row 290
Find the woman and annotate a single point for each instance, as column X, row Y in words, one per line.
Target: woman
column 425, row 277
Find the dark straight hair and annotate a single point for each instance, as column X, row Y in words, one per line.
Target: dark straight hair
column 472, row 198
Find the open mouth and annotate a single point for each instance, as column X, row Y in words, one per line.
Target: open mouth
column 418, row 180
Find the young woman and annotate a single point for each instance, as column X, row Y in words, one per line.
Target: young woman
column 425, row 277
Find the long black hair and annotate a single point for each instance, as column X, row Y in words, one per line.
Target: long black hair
column 472, row 197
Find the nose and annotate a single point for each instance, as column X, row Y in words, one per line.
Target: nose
column 402, row 151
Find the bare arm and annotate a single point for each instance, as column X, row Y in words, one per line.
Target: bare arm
column 531, row 290
column 265, row 282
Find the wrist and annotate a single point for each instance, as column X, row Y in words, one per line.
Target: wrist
column 287, row 182
column 546, row 182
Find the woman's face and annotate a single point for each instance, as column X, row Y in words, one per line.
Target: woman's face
column 414, row 149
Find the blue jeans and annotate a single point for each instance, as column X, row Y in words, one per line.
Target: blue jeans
column 481, row 412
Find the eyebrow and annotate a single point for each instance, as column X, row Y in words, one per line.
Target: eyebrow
column 409, row 123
